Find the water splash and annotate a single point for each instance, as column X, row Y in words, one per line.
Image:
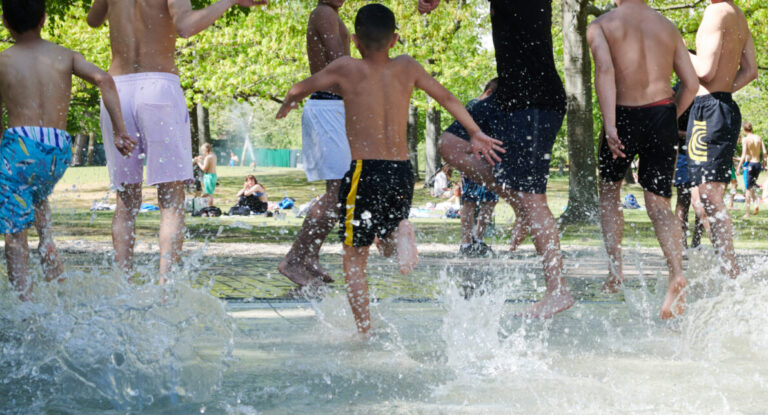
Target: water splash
column 96, row 341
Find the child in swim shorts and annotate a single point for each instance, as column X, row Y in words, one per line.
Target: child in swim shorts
column 35, row 88
column 376, row 193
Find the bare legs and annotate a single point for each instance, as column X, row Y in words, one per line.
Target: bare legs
column 751, row 196
column 171, row 236
column 533, row 209
column 471, row 230
column 721, row 225
column 668, row 232
column 17, row 259
column 302, row 264
column 612, row 225
column 681, row 211
column 401, row 242
column 17, row 254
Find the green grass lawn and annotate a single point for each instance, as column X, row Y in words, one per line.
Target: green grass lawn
column 80, row 186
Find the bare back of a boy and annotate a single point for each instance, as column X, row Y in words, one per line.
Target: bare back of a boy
column 142, row 35
column 642, row 44
column 36, row 83
column 376, row 97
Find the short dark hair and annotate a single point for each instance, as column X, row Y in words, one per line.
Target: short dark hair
column 374, row 25
column 492, row 85
column 747, row 127
column 23, row 15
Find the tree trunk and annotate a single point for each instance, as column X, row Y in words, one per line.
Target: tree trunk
column 81, row 141
column 432, row 137
column 91, row 145
column 194, row 131
column 203, row 124
column 582, row 194
column 413, row 139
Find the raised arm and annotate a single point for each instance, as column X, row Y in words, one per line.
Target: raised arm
column 325, row 79
column 92, row 74
column 689, row 82
column 190, row 22
column 605, row 86
column 98, row 13
column 748, row 65
column 709, row 44
column 482, row 145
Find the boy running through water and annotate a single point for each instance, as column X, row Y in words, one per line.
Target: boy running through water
column 377, row 190
column 35, row 88
column 142, row 37
column 324, row 146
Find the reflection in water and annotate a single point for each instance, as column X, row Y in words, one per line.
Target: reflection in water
column 450, row 342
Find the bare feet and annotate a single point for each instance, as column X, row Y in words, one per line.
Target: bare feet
column 385, row 249
column 49, row 259
column 613, row 284
column 405, row 241
column 674, row 303
column 552, row 303
column 314, row 267
column 295, row 271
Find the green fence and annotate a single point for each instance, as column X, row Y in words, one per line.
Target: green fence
column 266, row 157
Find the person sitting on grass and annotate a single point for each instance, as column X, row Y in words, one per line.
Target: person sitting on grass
column 252, row 198
column 376, row 192
column 35, row 89
column 206, row 161
column 441, row 187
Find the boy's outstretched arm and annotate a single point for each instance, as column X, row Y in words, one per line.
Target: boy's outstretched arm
column 92, row 74
column 325, row 79
column 190, row 22
column 482, row 145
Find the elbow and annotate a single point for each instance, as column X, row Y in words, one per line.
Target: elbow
column 752, row 74
column 184, row 32
column 104, row 80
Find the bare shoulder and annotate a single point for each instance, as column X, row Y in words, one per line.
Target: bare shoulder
column 59, row 50
column 407, row 61
column 322, row 13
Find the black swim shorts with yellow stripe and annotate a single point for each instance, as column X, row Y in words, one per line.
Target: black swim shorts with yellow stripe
column 375, row 196
column 713, row 130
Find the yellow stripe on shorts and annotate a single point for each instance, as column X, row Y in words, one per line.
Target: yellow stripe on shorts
column 348, row 234
column 697, row 147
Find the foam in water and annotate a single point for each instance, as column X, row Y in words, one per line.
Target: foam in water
column 96, row 341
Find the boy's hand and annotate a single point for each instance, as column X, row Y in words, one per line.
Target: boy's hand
column 614, row 143
column 285, row 109
column 486, row 147
column 124, row 143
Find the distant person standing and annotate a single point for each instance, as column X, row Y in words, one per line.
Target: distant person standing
column 233, row 160
column 753, row 160
column 325, row 147
column 143, row 42
column 206, row 161
column 725, row 62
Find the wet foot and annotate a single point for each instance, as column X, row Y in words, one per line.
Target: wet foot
column 52, row 266
column 674, row 302
column 613, row 284
column 551, row 304
column 407, row 255
column 295, row 271
column 314, row 267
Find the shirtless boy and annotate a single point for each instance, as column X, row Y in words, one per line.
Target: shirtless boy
column 324, row 144
column 725, row 62
column 377, row 190
column 636, row 50
column 35, row 88
column 206, row 161
column 753, row 159
column 143, row 40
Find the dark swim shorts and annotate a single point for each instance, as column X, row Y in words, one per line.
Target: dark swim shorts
column 751, row 173
column 375, row 196
column 713, row 131
column 528, row 136
column 649, row 132
column 476, row 193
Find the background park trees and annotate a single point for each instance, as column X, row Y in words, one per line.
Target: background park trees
column 253, row 56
